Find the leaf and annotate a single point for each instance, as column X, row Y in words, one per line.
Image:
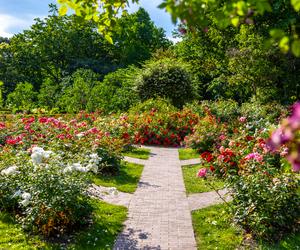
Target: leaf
column 63, row 10
column 277, row 33
column 235, row 21
column 296, row 48
column 296, row 4
column 284, row 44
column 108, row 38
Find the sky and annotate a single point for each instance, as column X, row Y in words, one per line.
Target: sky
column 17, row 15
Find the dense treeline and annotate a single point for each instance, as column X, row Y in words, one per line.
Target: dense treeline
column 63, row 63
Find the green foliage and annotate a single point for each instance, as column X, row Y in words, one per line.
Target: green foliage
column 115, row 93
column 110, row 162
column 49, row 94
column 136, row 37
column 167, row 79
column 205, row 133
column 22, row 98
column 77, row 92
column 46, row 207
column 266, row 203
column 159, row 104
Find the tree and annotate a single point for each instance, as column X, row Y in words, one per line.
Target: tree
column 77, row 93
column 23, row 97
column 53, row 48
column 136, row 37
column 194, row 14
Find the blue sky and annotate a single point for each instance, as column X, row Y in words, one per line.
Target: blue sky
column 17, row 15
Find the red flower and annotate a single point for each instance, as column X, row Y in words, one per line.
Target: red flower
column 207, row 156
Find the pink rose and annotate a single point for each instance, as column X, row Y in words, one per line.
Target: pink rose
column 243, row 119
column 202, row 172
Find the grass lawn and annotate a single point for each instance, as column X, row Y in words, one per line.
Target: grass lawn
column 213, row 230
column 139, row 153
column 187, row 153
column 126, row 180
column 101, row 234
column 194, row 184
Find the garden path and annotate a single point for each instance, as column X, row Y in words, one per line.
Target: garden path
column 159, row 215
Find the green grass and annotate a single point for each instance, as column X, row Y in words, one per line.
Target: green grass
column 108, row 220
column 139, row 153
column 187, row 153
column 214, row 230
column 194, row 184
column 126, row 180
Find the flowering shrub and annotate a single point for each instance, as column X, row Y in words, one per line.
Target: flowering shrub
column 288, row 134
column 160, row 128
column 266, row 203
column 206, row 134
column 46, row 193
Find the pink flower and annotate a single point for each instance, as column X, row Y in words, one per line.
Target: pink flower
column 222, row 137
column 202, row 172
column 255, row 156
column 243, row 119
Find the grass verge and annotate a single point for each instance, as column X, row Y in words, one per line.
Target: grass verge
column 214, row 230
column 125, row 181
column 139, row 153
column 107, row 223
column 199, row 185
column 187, row 154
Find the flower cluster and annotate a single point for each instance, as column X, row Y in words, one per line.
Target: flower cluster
column 288, row 135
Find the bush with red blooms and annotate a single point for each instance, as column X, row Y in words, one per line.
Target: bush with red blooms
column 160, row 128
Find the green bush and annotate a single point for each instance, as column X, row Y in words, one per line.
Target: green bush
column 22, row 98
column 167, row 79
column 266, row 204
column 48, row 196
column 77, row 91
column 271, row 112
column 159, row 104
column 115, row 93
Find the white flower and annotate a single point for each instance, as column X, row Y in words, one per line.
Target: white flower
column 68, row 169
column 25, row 203
column 92, row 167
column 80, row 135
column 10, row 170
column 26, row 199
column 26, row 196
column 37, row 157
column 38, row 154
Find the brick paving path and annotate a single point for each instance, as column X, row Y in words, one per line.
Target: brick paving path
column 159, row 215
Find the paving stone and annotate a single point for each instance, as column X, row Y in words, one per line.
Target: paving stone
column 159, row 209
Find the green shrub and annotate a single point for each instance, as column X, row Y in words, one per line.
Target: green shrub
column 49, row 94
column 115, row 93
column 266, row 204
column 22, row 98
column 48, row 196
column 159, row 104
column 77, row 91
column 270, row 112
column 206, row 134
column 167, row 79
